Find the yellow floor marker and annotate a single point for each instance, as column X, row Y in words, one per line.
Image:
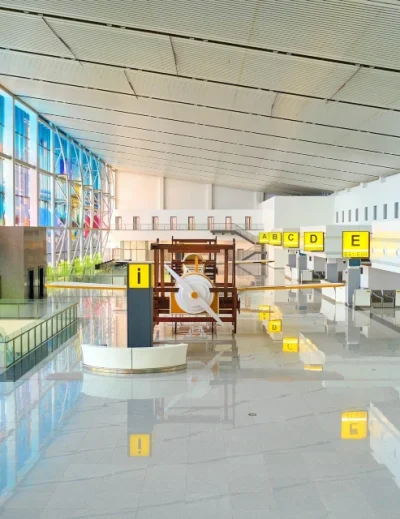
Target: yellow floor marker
column 290, row 344
column 139, row 445
column 354, row 425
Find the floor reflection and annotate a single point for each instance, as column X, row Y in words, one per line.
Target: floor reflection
column 297, row 420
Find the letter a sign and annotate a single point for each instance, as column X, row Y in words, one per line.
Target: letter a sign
column 263, row 237
column 314, row 241
column 355, row 244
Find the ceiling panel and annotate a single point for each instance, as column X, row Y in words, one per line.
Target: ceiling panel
column 347, row 30
column 117, row 46
column 29, row 33
column 256, row 68
column 277, row 96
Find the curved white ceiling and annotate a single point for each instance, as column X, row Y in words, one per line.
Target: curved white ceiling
column 288, row 96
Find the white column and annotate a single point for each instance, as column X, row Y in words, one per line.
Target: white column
column 162, row 193
column 209, row 196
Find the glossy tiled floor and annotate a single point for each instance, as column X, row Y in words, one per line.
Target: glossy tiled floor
column 248, row 431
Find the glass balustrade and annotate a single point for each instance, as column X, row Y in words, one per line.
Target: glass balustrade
column 49, row 318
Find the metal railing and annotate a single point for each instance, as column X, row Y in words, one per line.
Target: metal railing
column 21, row 342
column 235, row 229
column 184, row 227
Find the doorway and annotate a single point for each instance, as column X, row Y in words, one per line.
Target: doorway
column 173, row 223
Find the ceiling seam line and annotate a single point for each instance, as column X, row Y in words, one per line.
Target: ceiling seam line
column 130, row 84
column 60, row 39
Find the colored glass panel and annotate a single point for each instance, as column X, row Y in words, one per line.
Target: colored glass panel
column 22, row 197
column 44, row 147
column 44, row 200
column 22, row 134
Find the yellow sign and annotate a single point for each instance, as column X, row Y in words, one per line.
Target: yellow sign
column 354, row 425
column 263, row 237
column 313, row 367
column 314, row 241
column 275, row 238
column 263, row 316
column 139, row 275
column 139, row 445
column 291, row 240
column 355, row 244
column 275, row 326
column 290, row 344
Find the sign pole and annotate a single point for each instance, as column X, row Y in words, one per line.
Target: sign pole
column 140, row 305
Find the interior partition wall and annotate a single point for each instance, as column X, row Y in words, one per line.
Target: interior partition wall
column 48, row 179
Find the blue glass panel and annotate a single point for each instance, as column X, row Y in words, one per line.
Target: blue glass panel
column 22, row 197
column 44, row 200
column 74, row 154
column 61, row 155
column 96, row 173
column 44, row 147
column 87, row 177
column 60, row 205
column 22, row 134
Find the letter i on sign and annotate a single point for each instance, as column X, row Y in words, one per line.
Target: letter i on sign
column 138, row 276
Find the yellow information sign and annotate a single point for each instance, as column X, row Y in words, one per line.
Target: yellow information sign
column 355, row 244
column 263, row 237
column 313, row 367
column 275, row 238
column 314, row 241
column 290, row 344
column 275, row 326
column 139, row 275
column 291, row 240
column 263, row 316
column 139, row 445
column 354, row 425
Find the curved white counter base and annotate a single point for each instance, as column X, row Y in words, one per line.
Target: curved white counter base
column 166, row 357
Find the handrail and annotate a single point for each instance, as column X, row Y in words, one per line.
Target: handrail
column 183, row 227
column 21, row 342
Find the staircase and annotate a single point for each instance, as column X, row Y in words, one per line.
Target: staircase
column 235, row 230
column 252, row 251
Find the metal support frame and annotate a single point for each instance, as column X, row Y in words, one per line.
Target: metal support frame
column 84, row 230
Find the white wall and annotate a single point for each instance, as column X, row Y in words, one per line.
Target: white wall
column 297, row 211
column 179, row 194
column 133, row 192
column 136, row 192
column 385, row 241
column 377, row 279
column 379, row 192
column 231, row 198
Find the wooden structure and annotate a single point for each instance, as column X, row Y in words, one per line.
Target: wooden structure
column 210, row 263
column 226, row 287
